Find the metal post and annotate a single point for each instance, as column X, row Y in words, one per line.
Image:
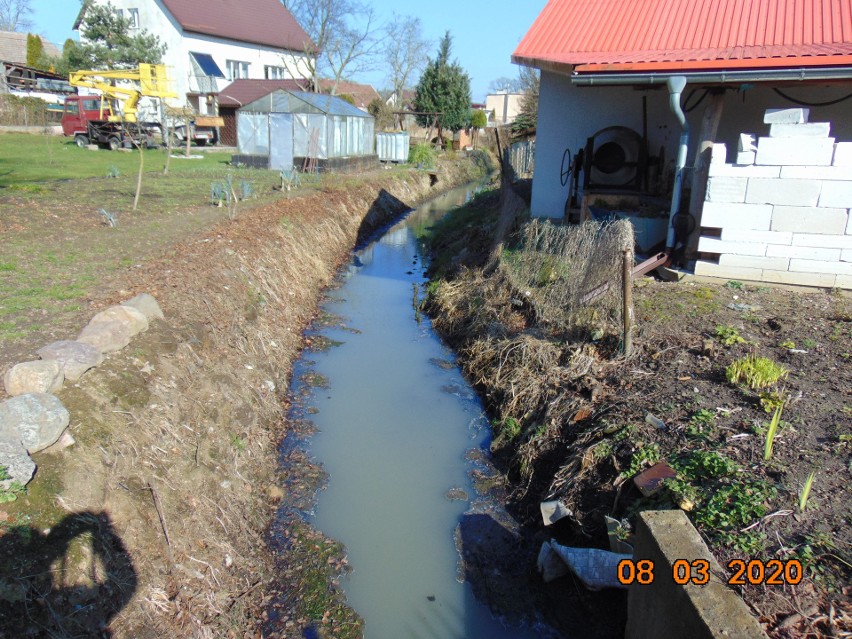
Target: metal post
column 627, row 301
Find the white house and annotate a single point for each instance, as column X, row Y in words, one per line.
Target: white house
column 210, row 43
column 646, row 95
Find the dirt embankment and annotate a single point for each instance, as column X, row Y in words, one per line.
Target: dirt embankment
column 153, row 524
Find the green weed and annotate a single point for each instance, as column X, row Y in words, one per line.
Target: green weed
column 701, row 423
column 806, row 491
column 647, row 455
column 728, row 335
column 771, row 432
column 755, row 372
column 770, row 400
column 12, row 489
column 735, row 285
column 787, row 343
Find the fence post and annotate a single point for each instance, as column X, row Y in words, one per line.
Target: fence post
column 627, row 301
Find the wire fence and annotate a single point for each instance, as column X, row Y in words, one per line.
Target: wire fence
column 571, row 275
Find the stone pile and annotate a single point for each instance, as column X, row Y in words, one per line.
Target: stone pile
column 33, row 419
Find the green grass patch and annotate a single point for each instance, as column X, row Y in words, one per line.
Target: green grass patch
column 755, row 372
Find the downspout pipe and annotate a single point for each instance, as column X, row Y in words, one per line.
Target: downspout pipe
column 676, row 84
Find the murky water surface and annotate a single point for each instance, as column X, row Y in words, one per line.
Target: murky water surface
column 394, row 425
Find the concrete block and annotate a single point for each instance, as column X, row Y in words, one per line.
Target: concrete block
column 738, row 216
column 809, row 219
column 716, row 245
column 746, row 158
column 746, row 171
column 665, row 609
column 726, row 189
column 813, row 266
column 803, row 252
column 822, row 241
column 747, row 142
column 849, row 224
column 843, row 281
column 836, row 194
column 797, row 115
column 846, row 255
column 795, row 151
column 718, row 153
column 825, row 280
column 842, row 154
column 709, row 269
column 764, row 237
column 817, row 172
column 784, row 192
column 807, row 130
column 751, row 261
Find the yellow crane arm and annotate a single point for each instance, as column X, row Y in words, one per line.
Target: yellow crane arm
column 148, row 80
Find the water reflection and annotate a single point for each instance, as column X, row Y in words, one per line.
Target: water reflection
column 394, row 429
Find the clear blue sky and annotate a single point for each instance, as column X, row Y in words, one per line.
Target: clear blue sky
column 484, row 32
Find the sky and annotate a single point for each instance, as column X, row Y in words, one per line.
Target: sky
column 484, row 32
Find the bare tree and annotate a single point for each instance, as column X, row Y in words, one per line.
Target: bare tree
column 406, row 51
column 13, row 15
column 344, row 34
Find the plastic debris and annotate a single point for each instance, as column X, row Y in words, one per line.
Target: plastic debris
column 594, row 567
column 655, row 421
column 553, row 511
column 549, row 564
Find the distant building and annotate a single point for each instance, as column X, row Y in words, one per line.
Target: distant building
column 503, row 107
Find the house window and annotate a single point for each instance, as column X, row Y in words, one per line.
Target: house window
column 132, row 17
column 274, row 73
column 237, row 69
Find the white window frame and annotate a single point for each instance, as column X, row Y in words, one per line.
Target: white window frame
column 273, row 72
column 237, row 69
column 133, row 16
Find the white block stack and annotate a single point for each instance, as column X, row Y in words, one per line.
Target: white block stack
column 783, row 209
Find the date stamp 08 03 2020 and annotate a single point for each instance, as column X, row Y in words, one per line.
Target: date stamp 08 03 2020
column 697, row 572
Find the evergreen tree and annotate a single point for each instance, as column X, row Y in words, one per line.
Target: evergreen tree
column 35, row 48
column 444, row 87
column 107, row 44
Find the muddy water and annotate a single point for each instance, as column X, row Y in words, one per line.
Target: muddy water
column 396, row 425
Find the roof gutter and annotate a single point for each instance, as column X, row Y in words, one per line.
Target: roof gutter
column 714, row 77
column 676, row 85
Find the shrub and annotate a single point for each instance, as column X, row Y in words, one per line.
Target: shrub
column 422, row 155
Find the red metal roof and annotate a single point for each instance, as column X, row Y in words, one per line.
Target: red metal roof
column 663, row 35
column 264, row 22
column 241, row 92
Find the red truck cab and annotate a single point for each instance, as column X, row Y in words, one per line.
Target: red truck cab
column 79, row 111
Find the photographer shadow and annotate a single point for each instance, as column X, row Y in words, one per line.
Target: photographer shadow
column 69, row 581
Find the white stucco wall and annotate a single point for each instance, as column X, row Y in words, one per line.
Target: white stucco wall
column 568, row 115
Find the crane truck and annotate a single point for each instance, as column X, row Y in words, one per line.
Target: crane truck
column 97, row 119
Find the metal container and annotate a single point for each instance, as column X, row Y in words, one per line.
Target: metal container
column 392, row 147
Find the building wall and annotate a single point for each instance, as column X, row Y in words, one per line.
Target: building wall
column 504, row 106
column 782, row 214
column 568, row 115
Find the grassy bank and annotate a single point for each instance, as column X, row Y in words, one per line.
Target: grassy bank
column 161, row 507
column 741, row 390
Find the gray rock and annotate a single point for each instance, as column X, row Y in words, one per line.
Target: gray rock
column 74, row 357
column 106, row 337
column 133, row 317
column 14, row 457
column 34, row 377
column 38, row 417
column 147, row 304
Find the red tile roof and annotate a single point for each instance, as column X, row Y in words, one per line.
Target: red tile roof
column 681, row 35
column 363, row 94
column 264, row 22
column 241, row 92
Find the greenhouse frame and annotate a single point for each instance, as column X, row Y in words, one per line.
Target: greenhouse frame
column 289, row 126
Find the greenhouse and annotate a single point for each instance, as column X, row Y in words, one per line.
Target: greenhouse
column 286, row 127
